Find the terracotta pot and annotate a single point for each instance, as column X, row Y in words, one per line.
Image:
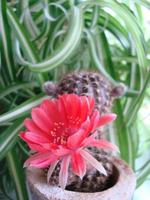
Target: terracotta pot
column 121, row 187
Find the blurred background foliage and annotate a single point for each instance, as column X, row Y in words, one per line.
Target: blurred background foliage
column 43, row 40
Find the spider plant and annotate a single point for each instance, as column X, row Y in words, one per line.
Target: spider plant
column 45, row 39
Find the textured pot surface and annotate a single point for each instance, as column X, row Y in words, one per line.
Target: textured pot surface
column 123, row 188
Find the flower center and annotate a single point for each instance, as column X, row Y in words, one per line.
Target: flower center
column 61, row 131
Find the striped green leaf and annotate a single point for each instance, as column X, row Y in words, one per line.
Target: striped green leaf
column 27, row 46
column 15, row 87
column 8, row 66
column 122, row 135
column 134, row 107
column 22, row 109
column 17, row 174
column 131, row 23
column 143, row 174
column 113, row 25
column 95, row 57
column 69, row 45
column 8, row 138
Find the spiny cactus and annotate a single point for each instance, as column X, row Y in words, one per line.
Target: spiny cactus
column 89, row 84
column 93, row 181
column 95, row 85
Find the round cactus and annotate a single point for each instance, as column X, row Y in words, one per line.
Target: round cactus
column 95, row 85
column 89, row 84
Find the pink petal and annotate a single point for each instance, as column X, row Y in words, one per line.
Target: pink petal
column 41, row 119
column 105, row 119
column 43, row 164
column 50, row 107
column 63, row 174
column 72, row 106
column 50, row 146
column 40, row 160
column 36, row 147
column 51, row 169
column 92, row 104
column 78, row 165
column 22, row 136
column 36, row 144
column 90, row 159
column 62, row 111
column 86, row 126
column 35, row 138
column 31, row 126
column 103, row 144
column 94, row 120
column 66, row 103
column 85, row 107
column 62, row 151
column 76, row 139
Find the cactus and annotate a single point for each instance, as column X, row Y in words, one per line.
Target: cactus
column 93, row 181
column 89, row 84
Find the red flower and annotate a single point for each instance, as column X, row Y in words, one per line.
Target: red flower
column 61, row 130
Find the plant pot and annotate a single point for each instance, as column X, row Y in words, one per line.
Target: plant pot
column 121, row 187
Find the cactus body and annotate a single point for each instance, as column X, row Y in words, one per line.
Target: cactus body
column 89, row 84
column 95, row 85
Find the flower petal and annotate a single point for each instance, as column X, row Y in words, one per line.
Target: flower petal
column 94, row 120
column 62, row 151
column 78, row 165
column 51, row 109
column 90, row 159
column 41, row 119
column 63, row 174
column 66, row 102
column 31, row 126
column 36, row 147
column 105, row 119
column 35, row 144
column 50, row 146
column 72, row 106
column 85, row 108
column 50, row 170
column 34, row 137
column 103, row 144
column 32, row 145
column 76, row 139
column 62, row 111
column 92, row 104
column 40, row 160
